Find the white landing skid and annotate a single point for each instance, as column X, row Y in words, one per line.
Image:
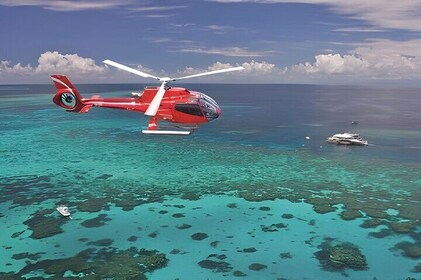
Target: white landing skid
column 167, row 132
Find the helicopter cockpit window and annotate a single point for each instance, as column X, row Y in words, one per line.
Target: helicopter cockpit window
column 191, row 109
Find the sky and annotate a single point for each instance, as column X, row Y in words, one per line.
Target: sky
column 276, row 41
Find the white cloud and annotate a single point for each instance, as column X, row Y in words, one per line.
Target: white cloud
column 370, row 60
column 7, row 68
column 377, row 59
column 67, row 5
column 156, row 8
column 403, row 14
column 333, row 64
column 52, row 62
column 253, row 72
column 233, row 51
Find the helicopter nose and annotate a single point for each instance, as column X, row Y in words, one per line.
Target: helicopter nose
column 218, row 111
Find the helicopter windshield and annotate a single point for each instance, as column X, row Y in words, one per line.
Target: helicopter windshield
column 209, row 107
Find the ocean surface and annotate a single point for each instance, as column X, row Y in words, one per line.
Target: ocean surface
column 246, row 196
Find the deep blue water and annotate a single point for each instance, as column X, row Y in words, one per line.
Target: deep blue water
column 257, row 148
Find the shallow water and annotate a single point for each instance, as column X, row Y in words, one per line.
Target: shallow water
column 254, row 156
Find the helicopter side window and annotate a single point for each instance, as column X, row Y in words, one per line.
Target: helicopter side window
column 191, row 109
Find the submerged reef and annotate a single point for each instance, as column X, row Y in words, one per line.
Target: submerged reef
column 216, row 263
column 417, row 268
column 409, row 249
column 337, row 257
column 44, row 225
column 404, row 227
column 99, row 264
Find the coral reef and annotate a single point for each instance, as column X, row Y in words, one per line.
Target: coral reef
column 285, row 255
column 216, row 263
column 350, row 214
column 98, row 221
column 93, row 204
column 249, row 250
column 372, row 223
column 43, row 225
column 403, row 227
column 257, row 266
column 273, row 227
column 102, row 242
column 199, row 236
column 287, row 216
column 337, row 257
column 190, row 196
column 417, row 268
column 239, row 273
column 409, row 249
column 102, row 264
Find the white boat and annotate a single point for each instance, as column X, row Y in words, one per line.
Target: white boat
column 347, row 139
column 64, row 210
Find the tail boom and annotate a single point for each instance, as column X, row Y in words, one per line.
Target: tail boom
column 69, row 98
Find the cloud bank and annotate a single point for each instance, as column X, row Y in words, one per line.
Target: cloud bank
column 369, row 61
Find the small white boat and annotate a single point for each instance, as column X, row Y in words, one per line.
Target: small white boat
column 347, row 139
column 64, row 210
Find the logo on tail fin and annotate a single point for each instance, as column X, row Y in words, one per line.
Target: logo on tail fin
column 67, row 96
column 68, row 100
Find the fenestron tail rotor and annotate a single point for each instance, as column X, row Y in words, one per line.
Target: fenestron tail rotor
column 154, row 105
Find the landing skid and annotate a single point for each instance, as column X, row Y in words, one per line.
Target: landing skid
column 167, row 132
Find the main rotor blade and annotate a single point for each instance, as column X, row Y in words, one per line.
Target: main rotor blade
column 211, row 73
column 128, row 69
column 154, row 106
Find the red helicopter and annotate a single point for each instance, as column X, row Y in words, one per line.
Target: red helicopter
column 171, row 104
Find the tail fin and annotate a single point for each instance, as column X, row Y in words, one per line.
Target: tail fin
column 67, row 96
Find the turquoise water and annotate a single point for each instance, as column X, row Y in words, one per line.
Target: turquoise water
column 230, row 180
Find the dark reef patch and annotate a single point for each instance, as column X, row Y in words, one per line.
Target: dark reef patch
column 199, row 236
column 99, row 264
column 372, row 223
column 178, row 215
column 232, row 205
column 409, row 249
column 285, row 255
column 384, row 232
column 257, row 266
column 153, row 234
column 214, row 244
column 403, row 227
column 184, row 226
column 93, row 204
column 190, row 196
column 351, row 214
column 273, row 227
column 132, row 238
column 29, row 256
column 337, row 257
column 99, row 221
column 417, row 268
column 101, row 242
column 238, row 273
column 249, row 250
column 43, row 225
column 215, row 263
column 17, row 234
column 287, row 216
column 264, row 208
column 128, row 201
